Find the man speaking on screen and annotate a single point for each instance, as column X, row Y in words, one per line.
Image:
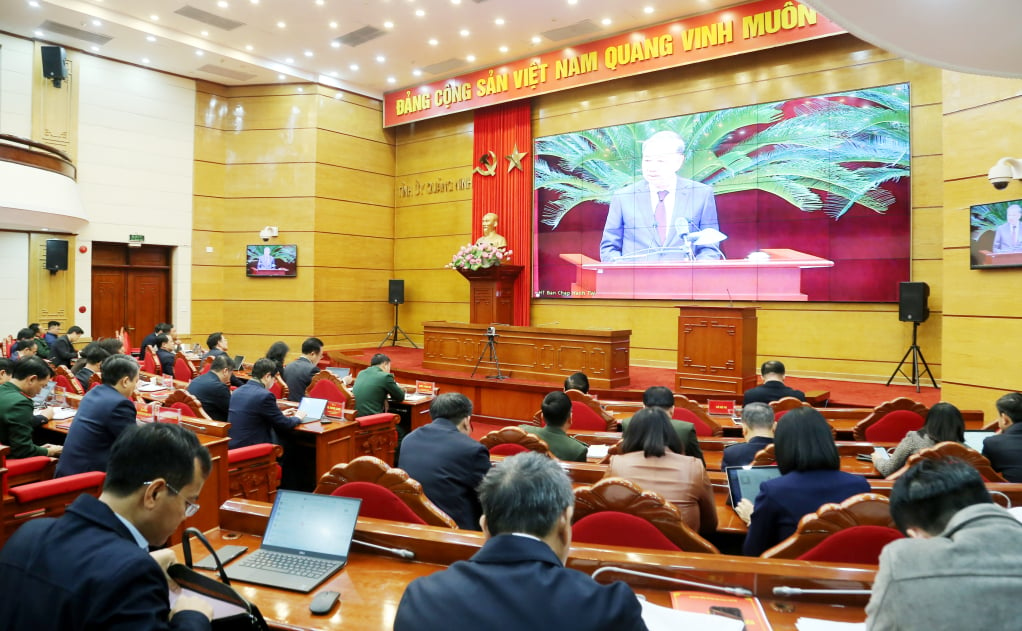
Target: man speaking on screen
column 664, row 217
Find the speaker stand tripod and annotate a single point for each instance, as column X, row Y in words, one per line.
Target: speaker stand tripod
column 490, row 351
column 917, row 356
column 394, row 332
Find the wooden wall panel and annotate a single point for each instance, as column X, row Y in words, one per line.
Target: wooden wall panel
column 354, row 115
column 51, row 296
column 342, row 251
column 352, row 152
column 354, row 186
column 434, row 219
column 288, row 179
column 351, row 218
column 354, row 285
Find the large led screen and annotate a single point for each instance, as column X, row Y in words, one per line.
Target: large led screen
column 804, row 199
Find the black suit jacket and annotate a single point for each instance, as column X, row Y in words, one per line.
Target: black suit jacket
column 102, row 415
column 741, row 454
column 449, row 465
column 147, row 341
column 1004, row 451
column 63, row 352
column 166, row 359
column 298, row 375
column 84, row 571
column 254, row 416
column 213, row 394
column 771, row 391
column 515, row 583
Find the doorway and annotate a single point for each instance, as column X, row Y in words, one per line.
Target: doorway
column 130, row 288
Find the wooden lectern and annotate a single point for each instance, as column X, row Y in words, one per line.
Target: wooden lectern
column 491, row 293
column 716, row 350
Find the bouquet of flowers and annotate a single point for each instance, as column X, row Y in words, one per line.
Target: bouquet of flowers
column 473, row 257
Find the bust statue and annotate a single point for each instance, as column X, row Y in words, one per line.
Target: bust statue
column 490, row 236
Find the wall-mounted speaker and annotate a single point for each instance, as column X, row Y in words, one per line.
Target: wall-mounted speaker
column 56, row 255
column 396, row 292
column 912, row 302
column 53, row 64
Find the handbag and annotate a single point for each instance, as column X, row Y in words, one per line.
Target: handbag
column 250, row 619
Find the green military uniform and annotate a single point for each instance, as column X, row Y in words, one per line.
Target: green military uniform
column 16, row 413
column 371, row 389
column 42, row 348
column 563, row 446
column 686, row 432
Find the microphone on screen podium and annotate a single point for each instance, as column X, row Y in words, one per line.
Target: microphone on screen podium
column 400, row 552
column 737, row 591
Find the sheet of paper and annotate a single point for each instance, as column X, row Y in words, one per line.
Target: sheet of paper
column 659, row 618
column 59, row 414
column 817, row 624
column 598, row 451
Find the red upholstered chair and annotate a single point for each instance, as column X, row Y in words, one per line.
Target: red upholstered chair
column 379, row 502
column 952, row 450
column 184, row 370
column 206, row 364
column 95, row 380
column 588, row 414
column 858, row 544
column 865, row 509
column 253, row 472
column 35, row 469
column 187, row 403
column 508, row 441
column 623, row 496
column 686, row 409
column 122, row 334
column 326, row 385
column 373, row 471
column 613, row 528
column 890, row 421
column 150, row 365
column 279, row 388
column 68, row 381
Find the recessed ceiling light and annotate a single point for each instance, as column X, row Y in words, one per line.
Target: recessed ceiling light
column 335, row 44
column 353, row 66
column 420, row 13
column 381, row 58
column 40, row 34
column 33, row 4
column 154, row 17
column 499, row 21
column 334, row 73
column 280, row 77
column 503, row 49
column 536, row 39
column 647, row 9
column 282, row 24
column 333, row 25
column 464, row 32
column 455, row 1
column 301, row 89
column 289, row 60
column 97, row 23
column 605, row 21
column 388, row 24
column 199, row 53
column 433, row 42
column 320, row 2
column 572, row 1
column 222, row 4
column 145, row 60
column 417, row 72
column 204, row 33
column 470, row 58
column 248, row 47
column 94, row 48
column 391, row 80
column 150, row 38
column 254, row 1
column 309, row 53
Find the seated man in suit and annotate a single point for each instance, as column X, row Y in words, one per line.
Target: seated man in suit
column 23, row 349
column 42, row 347
column 104, row 413
column 253, row 413
column 91, row 568
column 24, row 335
column 1004, row 450
column 63, row 350
column 17, row 416
column 217, row 344
column 445, row 459
column 211, row 388
column 557, row 416
column 517, row 580
column 758, row 432
column 162, row 328
column 52, row 332
column 299, row 373
column 961, row 565
column 662, row 397
column 1008, row 236
column 92, row 358
column 373, row 385
column 772, row 388
column 577, row 381
column 165, row 354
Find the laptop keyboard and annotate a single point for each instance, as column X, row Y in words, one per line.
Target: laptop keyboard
column 293, row 564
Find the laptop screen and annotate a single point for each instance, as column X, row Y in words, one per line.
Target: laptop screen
column 975, row 438
column 239, row 360
column 310, row 522
column 340, row 373
column 313, row 408
column 745, row 481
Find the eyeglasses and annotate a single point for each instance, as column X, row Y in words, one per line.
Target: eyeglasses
column 190, row 507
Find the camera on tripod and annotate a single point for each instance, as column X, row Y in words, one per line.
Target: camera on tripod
column 491, row 332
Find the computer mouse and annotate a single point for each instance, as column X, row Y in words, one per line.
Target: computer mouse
column 323, row 602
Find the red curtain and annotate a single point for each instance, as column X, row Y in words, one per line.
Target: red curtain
column 508, row 193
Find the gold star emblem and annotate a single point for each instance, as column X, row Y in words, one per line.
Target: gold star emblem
column 515, row 159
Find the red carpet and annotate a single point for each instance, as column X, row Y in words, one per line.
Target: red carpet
column 842, row 393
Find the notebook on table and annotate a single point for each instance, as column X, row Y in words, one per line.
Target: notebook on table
column 307, row 540
column 313, row 408
column 745, row 481
column 974, row 438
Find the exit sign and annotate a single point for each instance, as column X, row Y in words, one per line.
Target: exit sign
column 136, row 238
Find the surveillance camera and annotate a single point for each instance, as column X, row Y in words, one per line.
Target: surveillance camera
column 1000, row 175
column 266, row 237
column 266, row 233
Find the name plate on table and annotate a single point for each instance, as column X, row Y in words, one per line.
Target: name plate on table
column 334, row 409
column 425, row 387
column 722, row 408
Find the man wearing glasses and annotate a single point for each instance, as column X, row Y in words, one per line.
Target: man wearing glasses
column 91, row 568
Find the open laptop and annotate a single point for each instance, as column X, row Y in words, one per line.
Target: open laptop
column 239, row 361
column 974, row 438
column 745, row 481
column 313, row 408
column 339, row 372
column 306, row 541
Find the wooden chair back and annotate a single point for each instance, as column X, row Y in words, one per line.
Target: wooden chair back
column 187, row 403
column 253, row 472
column 624, row 496
column 67, row 380
column 515, row 436
column 150, row 365
column 375, row 471
column 326, row 385
column 581, row 419
column 95, row 379
column 951, row 449
column 279, row 388
column 705, row 426
column 865, row 509
column 786, row 404
column 879, row 412
column 184, row 369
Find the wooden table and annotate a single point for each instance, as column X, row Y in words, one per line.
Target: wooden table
column 372, row 584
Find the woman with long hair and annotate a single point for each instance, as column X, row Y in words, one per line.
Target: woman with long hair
column 943, row 423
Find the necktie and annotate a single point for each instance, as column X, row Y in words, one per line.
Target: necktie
column 660, row 217
column 1014, row 235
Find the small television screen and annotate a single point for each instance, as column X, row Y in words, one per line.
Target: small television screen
column 271, row 260
column 995, row 235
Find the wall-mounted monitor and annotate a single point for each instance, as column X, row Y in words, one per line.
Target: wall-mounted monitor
column 995, row 235
column 271, row 260
column 802, row 199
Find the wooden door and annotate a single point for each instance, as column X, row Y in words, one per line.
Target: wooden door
column 130, row 288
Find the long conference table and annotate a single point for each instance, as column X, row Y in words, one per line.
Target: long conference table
column 372, row 583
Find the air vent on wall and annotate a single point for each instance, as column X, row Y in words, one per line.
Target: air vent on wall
column 206, row 17
column 443, row 67
column 70, row 31
column 227, row 72
column 578, row 29
column 360, row 36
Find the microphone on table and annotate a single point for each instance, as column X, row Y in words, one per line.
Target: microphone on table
column 401, row 552
column 730, row 302
column 737, row 591
column 784, row 590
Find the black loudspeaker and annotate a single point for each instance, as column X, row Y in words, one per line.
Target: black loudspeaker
column 912, row 299
column 56, row 254
column 396, row 292
column 53, row 64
